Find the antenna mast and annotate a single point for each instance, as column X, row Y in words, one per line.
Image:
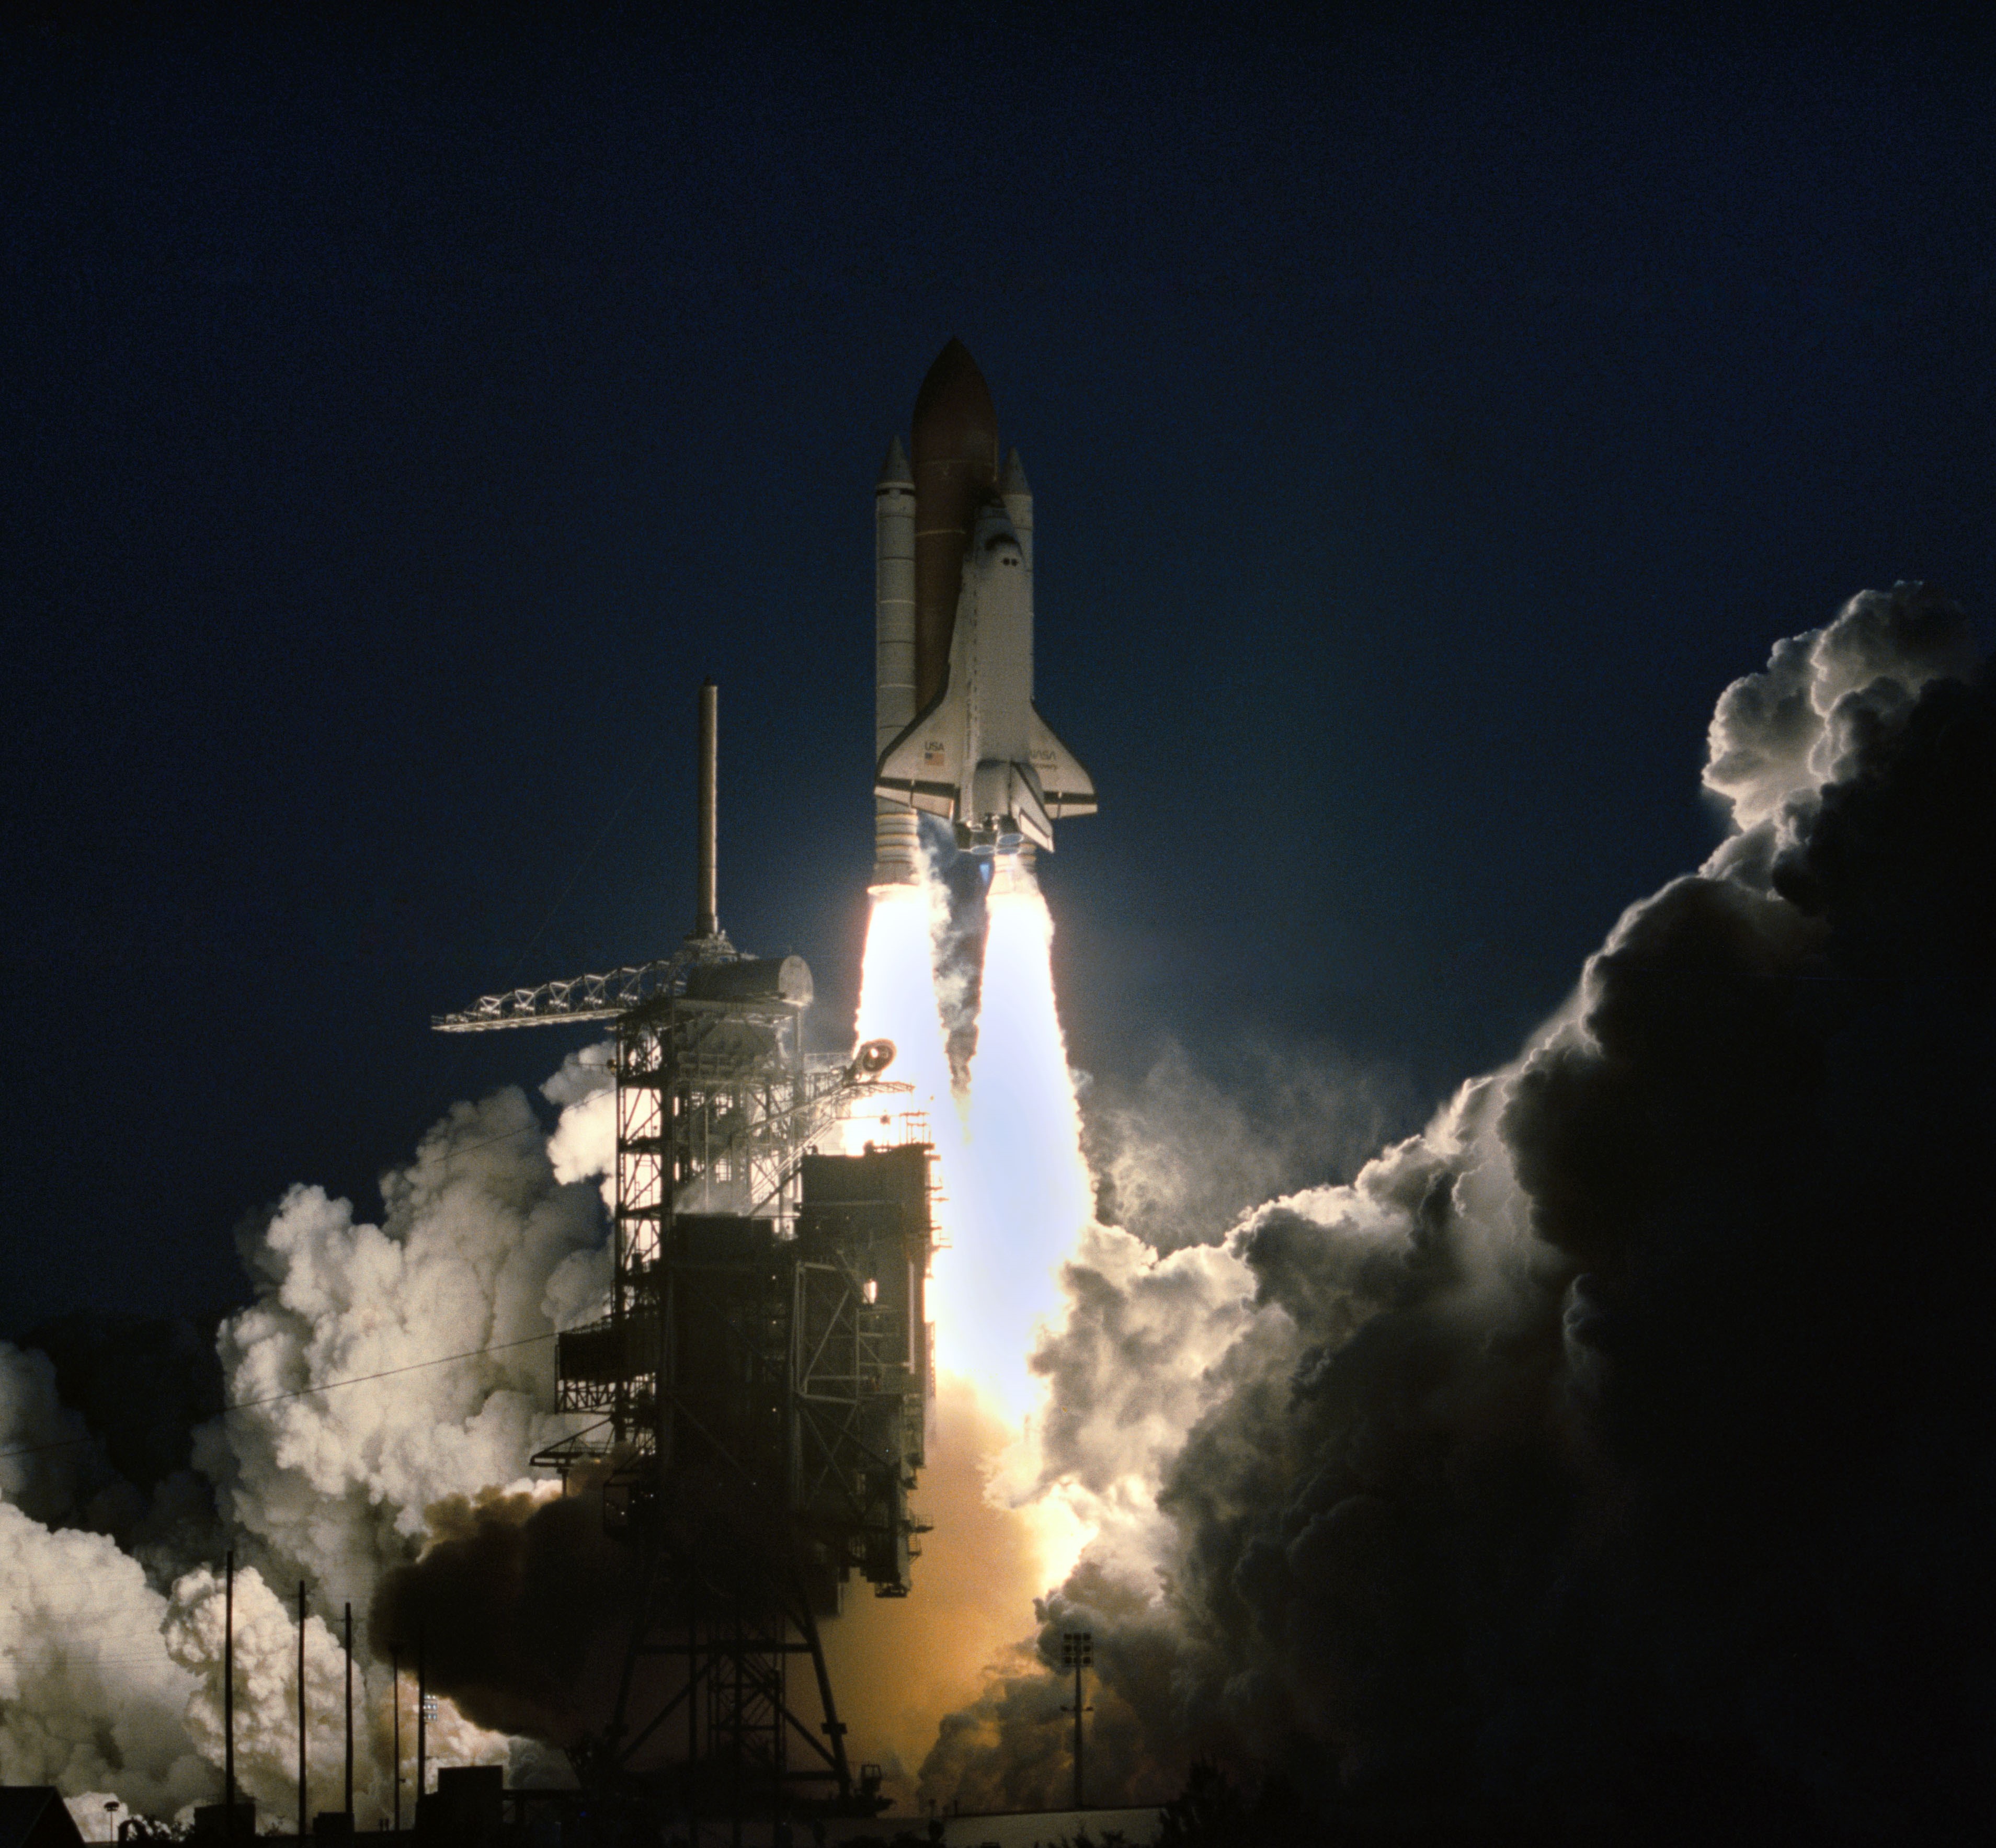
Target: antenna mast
column 706, row 922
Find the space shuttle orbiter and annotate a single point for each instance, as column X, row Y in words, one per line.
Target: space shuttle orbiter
column 956, row 732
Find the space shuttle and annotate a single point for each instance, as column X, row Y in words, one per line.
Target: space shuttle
column 956, row 732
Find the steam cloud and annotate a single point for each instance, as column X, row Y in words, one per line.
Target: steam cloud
column 111, row 1660
column 1179, row 1153
column 1617, row 1445
column 1618, row 1437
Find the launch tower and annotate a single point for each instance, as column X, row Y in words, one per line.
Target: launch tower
column 761, row 1381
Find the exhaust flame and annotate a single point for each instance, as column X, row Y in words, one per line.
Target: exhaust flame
column 1026, row 1192
column 1016, row 1191
column 1008, row 1149
column 897, row 1002
column 1016, row 1195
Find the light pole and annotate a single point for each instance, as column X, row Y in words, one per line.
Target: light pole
column 395, row 1708
column 228, row 1699
column 304, row 1820
column 1078, row 1653
column 350, row 1716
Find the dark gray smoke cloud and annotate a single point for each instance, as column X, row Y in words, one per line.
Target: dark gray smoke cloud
column 520, row 1607
column 1618, row 1446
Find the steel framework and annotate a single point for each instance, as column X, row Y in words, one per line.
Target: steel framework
column 761, row 1382
column 602, row 997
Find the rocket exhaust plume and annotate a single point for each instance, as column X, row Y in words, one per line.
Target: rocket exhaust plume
column 1015, row 1195
column 1026, row 1193
column 1008, row 1147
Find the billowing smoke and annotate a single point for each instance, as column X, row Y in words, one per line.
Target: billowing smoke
column 522, row 1605
column 1617, row 1442
column 442, row 1312
column 266, row 1694
column 90, row 1701
column 381, row 1370
column 430, row 1334
column 1614, row 1442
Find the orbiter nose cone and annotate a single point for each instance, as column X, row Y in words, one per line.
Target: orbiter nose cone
column 954, row 418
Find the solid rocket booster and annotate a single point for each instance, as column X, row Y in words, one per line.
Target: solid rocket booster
column 956, row 733
column 894, row 827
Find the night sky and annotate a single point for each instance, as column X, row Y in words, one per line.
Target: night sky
column 403, row 412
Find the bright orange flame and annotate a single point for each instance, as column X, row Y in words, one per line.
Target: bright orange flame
column 902, row 1665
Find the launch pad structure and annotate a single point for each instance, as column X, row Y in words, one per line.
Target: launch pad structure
column 762, row 1382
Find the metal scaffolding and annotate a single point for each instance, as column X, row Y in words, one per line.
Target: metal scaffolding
column 761, row 1381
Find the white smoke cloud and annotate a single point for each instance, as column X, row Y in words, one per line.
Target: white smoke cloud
column 90, row 1701
column 1778, row 736
column 332, row 1486
column 582, row 1147
column 1136, row 1364
column 493, row 1237
column 266, row 1696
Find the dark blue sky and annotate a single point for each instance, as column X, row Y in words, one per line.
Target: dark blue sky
column 404, row 410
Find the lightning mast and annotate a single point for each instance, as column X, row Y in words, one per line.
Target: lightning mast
column 761, row 1381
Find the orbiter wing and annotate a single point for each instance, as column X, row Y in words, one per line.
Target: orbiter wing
column 929, row 765
column 925, row 765
column 1067, row 788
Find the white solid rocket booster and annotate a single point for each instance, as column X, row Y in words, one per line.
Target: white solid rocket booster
column 894, row 828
